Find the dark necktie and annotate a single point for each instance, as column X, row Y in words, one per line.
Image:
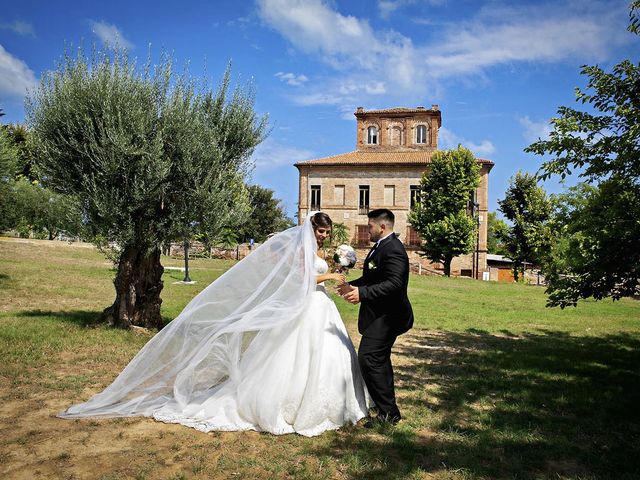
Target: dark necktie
column 373, row 249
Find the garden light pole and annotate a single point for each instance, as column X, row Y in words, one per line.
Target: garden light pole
column 186, row 261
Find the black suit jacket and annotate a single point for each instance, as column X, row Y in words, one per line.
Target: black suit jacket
column 385, row 310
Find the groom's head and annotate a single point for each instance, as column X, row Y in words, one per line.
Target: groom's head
column 380, row 223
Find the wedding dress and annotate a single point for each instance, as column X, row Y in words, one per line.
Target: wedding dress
column 261, row 348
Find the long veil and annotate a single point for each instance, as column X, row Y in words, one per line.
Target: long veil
column 207, row 345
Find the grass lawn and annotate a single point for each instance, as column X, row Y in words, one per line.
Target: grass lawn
column 492, row 385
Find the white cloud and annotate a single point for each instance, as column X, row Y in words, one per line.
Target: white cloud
column 448, row 139
column 110, row 35
column 480, row 46
column 292, row 78
column 407, row 72
column 19, row 27
column 15, row 76
column 533, row 131
column 387, row 7
column 271, row 154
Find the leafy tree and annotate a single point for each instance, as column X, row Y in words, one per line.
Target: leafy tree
column 441, row 216
column 496, row 231
column 20, row 137
column 604, row 145
column 44, row 212
column 149, row 154
column 527, row 207
column 339, row 234
column 267, row 216
column 8, row 168
column 226, row 238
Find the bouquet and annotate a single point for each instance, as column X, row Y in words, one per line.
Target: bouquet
column 345, row 258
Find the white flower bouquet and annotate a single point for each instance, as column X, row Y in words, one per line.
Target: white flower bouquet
column 345, row 258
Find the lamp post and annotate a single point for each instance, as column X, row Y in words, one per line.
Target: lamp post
column 186, row 261
column 476, row 210
column 186, row 254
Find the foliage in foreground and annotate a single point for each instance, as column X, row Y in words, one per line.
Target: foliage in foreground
column 152, row 156
column 602, row 239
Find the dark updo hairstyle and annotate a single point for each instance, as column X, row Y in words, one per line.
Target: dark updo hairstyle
column 321, row 219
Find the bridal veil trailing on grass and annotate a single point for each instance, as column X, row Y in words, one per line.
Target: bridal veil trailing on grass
column 261, row 348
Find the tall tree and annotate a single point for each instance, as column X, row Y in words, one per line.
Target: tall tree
column 149, row 154
column 441, row 217
column 8, row 168
column 267, row 216
column 604, row 145
column 528, row 208
column 21, row 139
column 496, row 231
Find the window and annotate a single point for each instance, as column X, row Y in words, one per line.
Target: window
column 315, row 197
column 389, row 195
column 414, row 195
column 363, row 203
column 421, row 134
column 372, row 136
column 413, row 239
column 396, row 136
column 338, row 195
column 362, row 235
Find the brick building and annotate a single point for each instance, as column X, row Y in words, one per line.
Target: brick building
column 393, row 150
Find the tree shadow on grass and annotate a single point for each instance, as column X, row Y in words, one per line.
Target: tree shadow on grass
column 545, row 405
column 82, row 318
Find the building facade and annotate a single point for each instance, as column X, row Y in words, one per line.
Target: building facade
column 393, row 150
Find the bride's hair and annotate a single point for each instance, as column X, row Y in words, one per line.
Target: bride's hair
column 322, row 220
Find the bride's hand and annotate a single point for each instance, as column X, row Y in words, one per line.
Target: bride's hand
column 339, row 277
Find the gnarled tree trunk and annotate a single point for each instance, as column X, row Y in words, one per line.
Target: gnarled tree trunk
column 138, row 285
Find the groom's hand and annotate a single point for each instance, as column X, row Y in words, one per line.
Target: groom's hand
column 352, row 294
column 343, row 288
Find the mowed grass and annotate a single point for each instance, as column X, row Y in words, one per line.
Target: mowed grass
column 492, row 384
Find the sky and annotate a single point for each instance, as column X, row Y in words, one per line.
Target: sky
column 498, row 70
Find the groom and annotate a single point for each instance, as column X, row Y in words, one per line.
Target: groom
column 385, row 312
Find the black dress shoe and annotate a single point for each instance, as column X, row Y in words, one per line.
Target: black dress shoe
column 382, row 420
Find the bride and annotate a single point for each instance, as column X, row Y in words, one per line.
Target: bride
column 261, row 348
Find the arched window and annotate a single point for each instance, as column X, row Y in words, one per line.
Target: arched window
column 372, row 136
column 421, row 134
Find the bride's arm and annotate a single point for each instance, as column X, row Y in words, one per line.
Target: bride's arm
column 338, row 277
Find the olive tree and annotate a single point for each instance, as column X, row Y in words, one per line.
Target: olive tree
column 150, row 154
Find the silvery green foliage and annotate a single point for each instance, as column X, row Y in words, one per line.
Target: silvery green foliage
column 152, row 155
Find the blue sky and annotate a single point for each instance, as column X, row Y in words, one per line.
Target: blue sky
column 497, row 69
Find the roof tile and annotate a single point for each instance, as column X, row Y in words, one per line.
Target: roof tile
column 359, row 157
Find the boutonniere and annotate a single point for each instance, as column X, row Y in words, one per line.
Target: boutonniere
column 372, row 265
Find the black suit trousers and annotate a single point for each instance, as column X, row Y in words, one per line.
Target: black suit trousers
column 374, row 356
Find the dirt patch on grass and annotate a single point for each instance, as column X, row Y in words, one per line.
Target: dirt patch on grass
column 36, row 444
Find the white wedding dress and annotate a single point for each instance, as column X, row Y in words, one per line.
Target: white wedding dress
column 309, row 384
column 261, row 348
